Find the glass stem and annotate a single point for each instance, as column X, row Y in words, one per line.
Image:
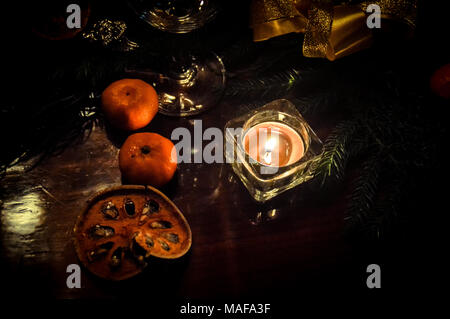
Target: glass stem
column 183, row 70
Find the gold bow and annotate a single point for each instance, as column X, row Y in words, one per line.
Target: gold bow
column 330, row 31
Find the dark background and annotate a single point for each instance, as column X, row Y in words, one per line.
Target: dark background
column 302, row 255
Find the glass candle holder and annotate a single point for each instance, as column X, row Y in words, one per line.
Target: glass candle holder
column 272, row 149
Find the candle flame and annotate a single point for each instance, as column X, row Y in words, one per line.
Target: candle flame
column 269, row 147
column 270, row 144
column 268, row 157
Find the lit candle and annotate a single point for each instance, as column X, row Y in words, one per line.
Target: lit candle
column 273, row 144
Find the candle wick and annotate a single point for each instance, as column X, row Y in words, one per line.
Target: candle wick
column 268, row 157
column 268, row 148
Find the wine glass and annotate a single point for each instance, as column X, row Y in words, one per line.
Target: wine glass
column 186, row 83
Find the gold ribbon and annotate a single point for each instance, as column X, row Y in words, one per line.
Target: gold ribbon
column 330, row 31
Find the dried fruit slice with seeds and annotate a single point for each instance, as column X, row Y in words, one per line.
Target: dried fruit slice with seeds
column 122, row 227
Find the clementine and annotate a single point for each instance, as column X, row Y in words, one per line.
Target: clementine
column 147, row 159
column 129, row 104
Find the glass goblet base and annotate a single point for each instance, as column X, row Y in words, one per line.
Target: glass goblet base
column 188, row 87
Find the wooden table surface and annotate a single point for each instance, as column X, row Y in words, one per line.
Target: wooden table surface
column 286, row 247
column 239, row 247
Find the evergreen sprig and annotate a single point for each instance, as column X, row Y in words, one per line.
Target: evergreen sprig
column 274, row 85
column 365, row 189
column 336, row 151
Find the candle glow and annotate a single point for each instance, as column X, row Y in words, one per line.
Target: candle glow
column 273, row 144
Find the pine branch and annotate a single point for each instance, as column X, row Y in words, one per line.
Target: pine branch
column 364, row 190
column 336, row 151
column 274, row 85
column 379, row 222
column 50, row 129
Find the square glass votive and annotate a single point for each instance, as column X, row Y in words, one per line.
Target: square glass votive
column 265, row 181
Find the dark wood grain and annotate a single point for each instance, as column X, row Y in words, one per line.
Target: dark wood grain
column 239, row 247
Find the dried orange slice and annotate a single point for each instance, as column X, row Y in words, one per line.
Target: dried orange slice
column 122, row 227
